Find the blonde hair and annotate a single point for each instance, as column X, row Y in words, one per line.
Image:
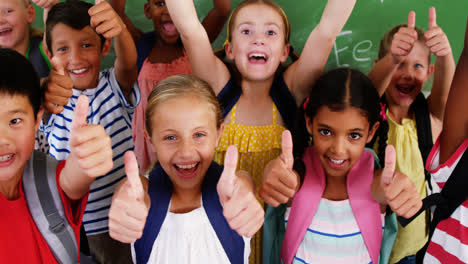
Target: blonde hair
column 386, row 42
column 178, row 86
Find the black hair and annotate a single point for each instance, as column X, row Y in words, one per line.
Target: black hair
column 18, row 77
column 337, row 89
column 73, row 13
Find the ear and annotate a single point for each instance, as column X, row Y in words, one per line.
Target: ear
column 285, row 54
column 147, row 10
column 308, row 125
column 229, row 51
column 38, row 118
column 30, row 13
column 106, row 47
column 220, row 133
column 372, row 131
column 47, row 50
column 430, row 71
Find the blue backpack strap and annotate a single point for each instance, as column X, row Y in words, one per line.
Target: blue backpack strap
column 38, row 58
column 232, row 243
column 231, row 92
column 159, row 190
column 46, row 208
column 144, row 47
column 284, row 100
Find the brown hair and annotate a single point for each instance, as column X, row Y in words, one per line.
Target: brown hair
column 387, row 39
column 178, row 86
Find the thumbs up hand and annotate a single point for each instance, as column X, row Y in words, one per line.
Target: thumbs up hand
column 435, row 37
column 236, row 192
column 105, row 20
column 396, row 189
column 403, row 41
column 280, row 182
column 130, row 205
column 59, row 87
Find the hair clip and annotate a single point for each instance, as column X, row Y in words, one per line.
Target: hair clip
column 306, row 102
column 383, row 115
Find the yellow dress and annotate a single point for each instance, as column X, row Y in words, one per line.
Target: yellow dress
column 257, row 145
column 409, row 161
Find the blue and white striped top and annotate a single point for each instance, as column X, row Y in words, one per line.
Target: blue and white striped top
column 108, row 107
column 333, row 236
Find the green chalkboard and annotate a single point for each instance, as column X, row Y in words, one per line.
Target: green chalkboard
column 357, row 45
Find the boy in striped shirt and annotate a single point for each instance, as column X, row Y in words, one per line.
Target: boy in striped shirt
column 78, row 35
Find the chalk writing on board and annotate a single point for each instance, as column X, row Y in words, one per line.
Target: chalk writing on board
column 360, row 51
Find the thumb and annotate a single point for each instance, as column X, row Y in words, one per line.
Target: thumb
column 412, row 19
column 57, row 66
column 390, row 161
column 432, row 18
column 227, row 180
column 133, row 175
column 287, row 148
column 96, row 2
column 81, row 112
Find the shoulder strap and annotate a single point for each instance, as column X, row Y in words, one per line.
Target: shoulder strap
column 37, row 57
column 424, row 131
column 232, row 243
column 45, row 205
column 231, row 93
column 283, row 99
column 144, row 47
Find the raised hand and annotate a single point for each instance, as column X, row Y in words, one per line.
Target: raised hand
column 90, row 146
column 435, row 37
column 59, row 88
column 105, row 20
column 130, row 205
column 46, row 4
column 403, row 41
column 236, row 192
column 280, row 182
column 399, row 191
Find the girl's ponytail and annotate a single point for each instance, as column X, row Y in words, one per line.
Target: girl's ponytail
column 301, row 139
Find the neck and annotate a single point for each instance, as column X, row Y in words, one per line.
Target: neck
column 185, row 200
column 335, row 189
column 256, row 89
column 9, row 189
column 398, row 112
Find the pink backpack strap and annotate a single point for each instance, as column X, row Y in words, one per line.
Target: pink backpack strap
column 304, row 205
column 365, row 209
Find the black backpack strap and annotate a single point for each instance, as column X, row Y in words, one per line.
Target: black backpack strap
column 38, row 58
column 46, row 207
column 144, row 47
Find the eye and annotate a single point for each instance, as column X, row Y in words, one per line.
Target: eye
column 325, row 132
column 245, row 31
column 160, row 3
column 271, row 33
column 355, row 136
column 86, row 45
column 418, row 66
column 169, row 138
column 199, row 135
column 15, row 121
column 62, row 49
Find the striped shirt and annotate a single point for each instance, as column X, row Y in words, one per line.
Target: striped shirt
column 449, row 243
column 333, row 236
column 107, row 107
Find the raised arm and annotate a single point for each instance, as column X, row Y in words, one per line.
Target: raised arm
column 215, row 19
column 202, row 59
column 438, row 42
column 119, row 7
column 402, row 44
column 305, row 71
column 455, row 128
column 108, row 23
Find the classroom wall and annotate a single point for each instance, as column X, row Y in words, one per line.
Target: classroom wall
column 357, row 45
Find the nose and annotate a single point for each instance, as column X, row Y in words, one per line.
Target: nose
column 407, row 72
column 186, row 148
column 5, row 137
column 259, row 39
column 339, row 146
column 74, row 55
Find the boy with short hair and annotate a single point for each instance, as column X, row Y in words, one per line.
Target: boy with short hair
column 28, row 234
column 78, row 35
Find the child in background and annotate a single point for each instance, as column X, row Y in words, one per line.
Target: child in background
column 255, row 88
column 333, row 217
column 160, row 55
column 78, row 35
column 413, row 122
column 26, row 236
column 200, row 212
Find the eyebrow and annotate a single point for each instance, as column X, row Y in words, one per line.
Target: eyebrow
column 357, row 129
column 17, row 111
column 252, row 23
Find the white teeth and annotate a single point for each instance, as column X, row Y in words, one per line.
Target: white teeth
column 257, row 55
column 6, row 157
column 5, row 30
column 186, row 167
column 337, row 161
column 79, row 71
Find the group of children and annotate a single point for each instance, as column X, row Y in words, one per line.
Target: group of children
column 315, row 194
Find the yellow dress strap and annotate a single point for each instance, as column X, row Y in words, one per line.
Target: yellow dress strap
column 233, row 114
column 275, row 111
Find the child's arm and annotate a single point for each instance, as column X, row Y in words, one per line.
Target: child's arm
column 455, row 128
column 438, row 43
column 280, row 181
column 236, row 192
column 130, row 204
column 108, row 23
column 215, row 19
column 402, row 44
column 90, row 153
column 202, row 59
column 392, row 188
column 58, row 88
column 119, row 7
column 305, row 71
